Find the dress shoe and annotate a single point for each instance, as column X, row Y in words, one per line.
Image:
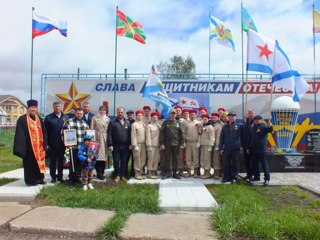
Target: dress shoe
column 176, row 176
column 41, row 182
column 53, row 181
column 163, row 177
column 101, row 177
column 31, row 184
column 225, row 180
column 117, row 179
column 123, row 179
column 61, row 180
column 255, row 180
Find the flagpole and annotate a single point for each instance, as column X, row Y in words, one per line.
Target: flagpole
column 31, row 70
column 246, row 86
column 209, row 82
column 242, row 69
column 271, row 90
column 314, row 68
column 115, row 70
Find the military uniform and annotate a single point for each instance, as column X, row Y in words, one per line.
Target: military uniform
column 192, row 144
column 162, row 153
column 138, row 140
column 216, row 157
column 172, row 137
column 152, row 143
column 182, row 151
column 207, row 138
column 146, row 120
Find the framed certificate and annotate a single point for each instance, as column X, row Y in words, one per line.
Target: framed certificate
column 70, row 137
column 91, row 133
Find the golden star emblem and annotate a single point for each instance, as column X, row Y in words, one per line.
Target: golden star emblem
column 72, row 99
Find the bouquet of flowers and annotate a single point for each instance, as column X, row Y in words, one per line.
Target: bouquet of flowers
column 67, row 155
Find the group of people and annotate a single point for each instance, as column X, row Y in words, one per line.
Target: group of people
column 179, row 145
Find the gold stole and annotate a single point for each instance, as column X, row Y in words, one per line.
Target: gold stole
column 36, row 137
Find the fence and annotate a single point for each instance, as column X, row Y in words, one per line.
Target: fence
column 7, row 134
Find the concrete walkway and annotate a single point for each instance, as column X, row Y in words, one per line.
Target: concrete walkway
column 18, row 191
column 187, row 194
column 18, row 221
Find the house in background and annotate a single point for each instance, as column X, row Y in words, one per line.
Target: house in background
column 3, row 116
column 13, row 107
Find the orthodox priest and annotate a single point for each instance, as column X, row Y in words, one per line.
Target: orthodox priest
column 30, row 142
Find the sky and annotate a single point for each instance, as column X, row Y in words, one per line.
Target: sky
column 172, row 27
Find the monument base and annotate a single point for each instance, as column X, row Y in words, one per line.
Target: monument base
column 290, row 162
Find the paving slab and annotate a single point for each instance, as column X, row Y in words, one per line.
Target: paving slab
column 309, row 181
column 10, row 211
column 61, row 221
column 185, row 195
column 168, row 227
column 20, row 192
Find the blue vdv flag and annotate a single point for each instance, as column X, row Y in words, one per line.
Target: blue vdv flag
column 154, row 91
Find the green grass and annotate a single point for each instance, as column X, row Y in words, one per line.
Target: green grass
column 4, row 181
column 245, row 213
column 8, row 161
column 303, row 195
column 315, row 203
column 112, row 229
column 291, row 188
column 124, row 199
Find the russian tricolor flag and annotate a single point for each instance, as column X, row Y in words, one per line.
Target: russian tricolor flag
column 42, row 25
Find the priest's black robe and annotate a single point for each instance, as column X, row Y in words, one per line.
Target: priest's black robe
column 22, row 148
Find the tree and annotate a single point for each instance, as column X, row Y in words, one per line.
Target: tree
column 178, row 68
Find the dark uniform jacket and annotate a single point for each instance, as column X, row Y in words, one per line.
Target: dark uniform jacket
column 230, row 136
column 54, row 125
column 245, row 133
column 258, row 138
column 90, row 116
column 171, row 133
column 119, row 134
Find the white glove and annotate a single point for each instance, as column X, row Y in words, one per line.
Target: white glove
column 149, row 148
column 136, row 148
column 198, row 145
column 209, row 149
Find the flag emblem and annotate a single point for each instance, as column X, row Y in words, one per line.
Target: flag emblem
column 130, row 28
column 221, row 33
column 264, row 51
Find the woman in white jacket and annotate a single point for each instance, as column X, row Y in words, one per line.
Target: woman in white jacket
column 100, row 123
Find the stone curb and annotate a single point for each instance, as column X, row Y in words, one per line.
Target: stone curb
column 56, row 221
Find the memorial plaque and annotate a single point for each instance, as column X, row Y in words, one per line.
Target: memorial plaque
column 313, row 140
column 294, row 161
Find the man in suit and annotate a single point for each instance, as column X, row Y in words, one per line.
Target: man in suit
column 87, row 115
column 54, row 123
